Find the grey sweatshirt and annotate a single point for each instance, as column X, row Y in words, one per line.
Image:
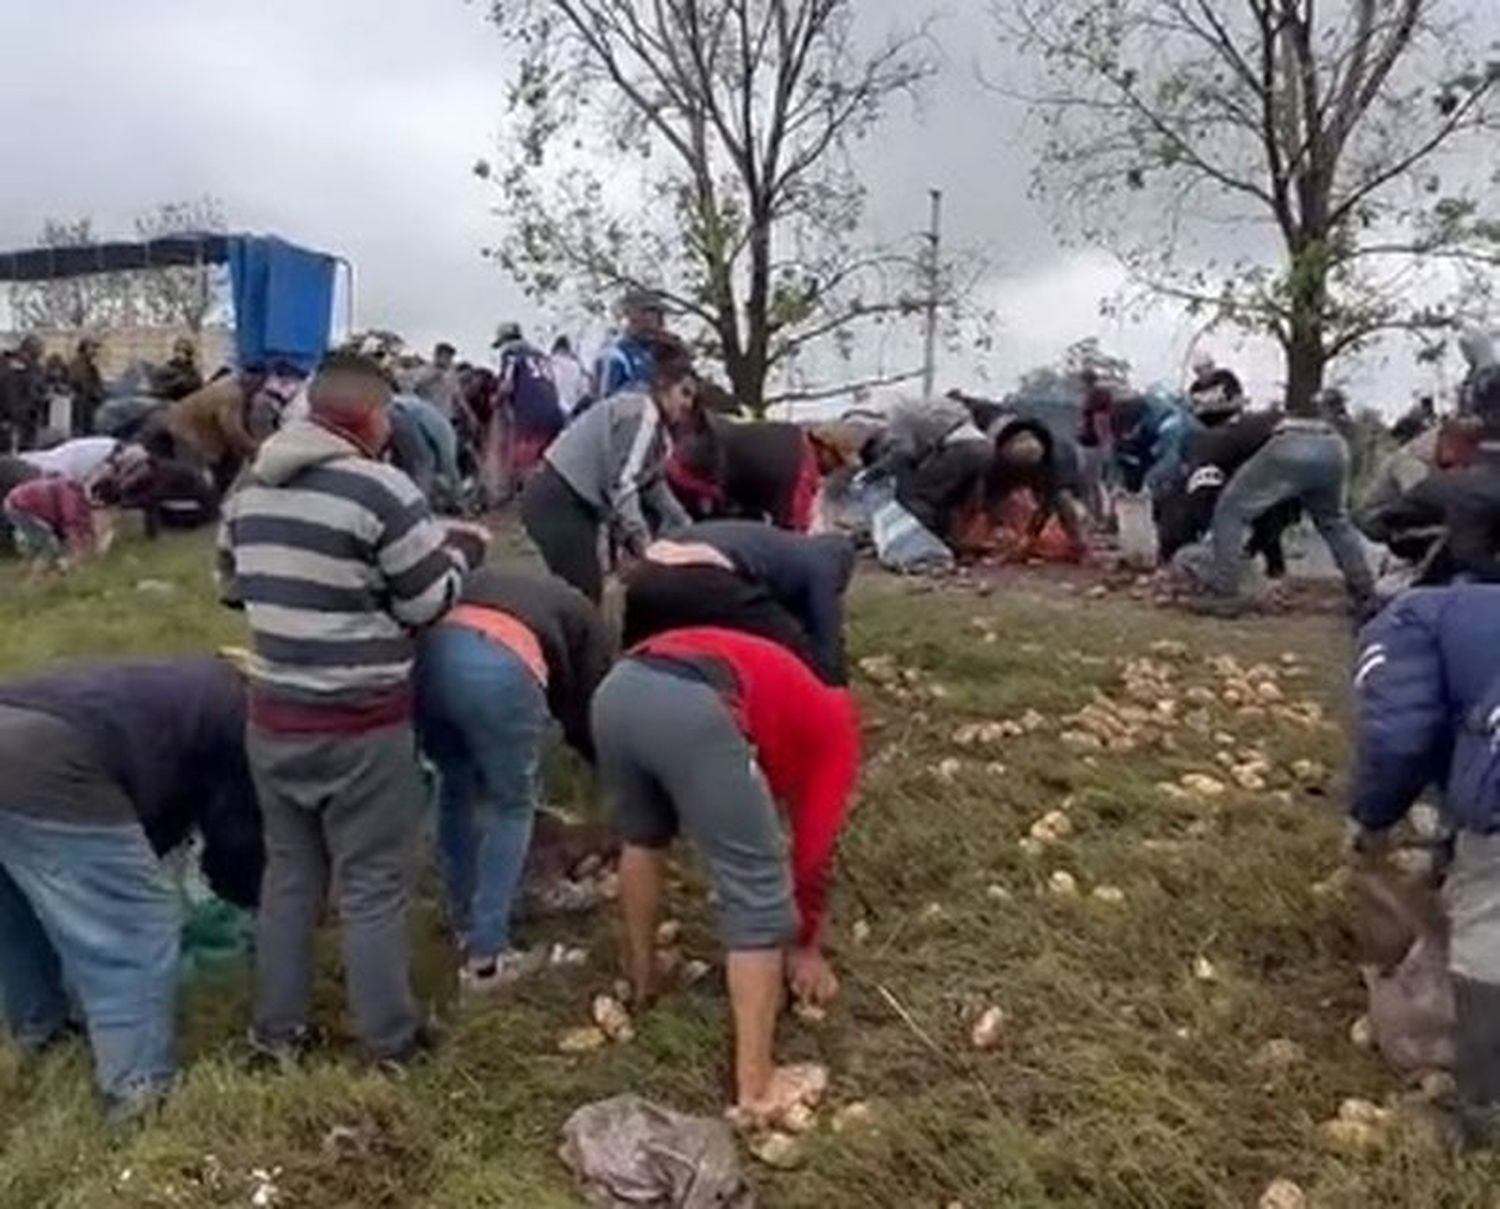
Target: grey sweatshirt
column 614, row 456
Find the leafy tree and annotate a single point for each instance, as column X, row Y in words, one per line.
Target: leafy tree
column 1345, row 147
column 704, row 148
column 1064, row 381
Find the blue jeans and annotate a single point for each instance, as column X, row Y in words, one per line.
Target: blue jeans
column 91, row 909
column 481, row 717
column 1308, row 463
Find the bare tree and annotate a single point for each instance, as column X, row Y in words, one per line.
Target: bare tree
column 1318, row 170
column 76, row 303
column 165, row 295
column 703, row 148
column 179, row 295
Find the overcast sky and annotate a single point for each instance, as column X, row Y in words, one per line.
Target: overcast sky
column 352, row 126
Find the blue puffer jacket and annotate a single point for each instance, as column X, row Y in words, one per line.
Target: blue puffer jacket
column 1428, row 688
column 1151, row 437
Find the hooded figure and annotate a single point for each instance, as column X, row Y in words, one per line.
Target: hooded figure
column 1029, row 457
column 337, row 562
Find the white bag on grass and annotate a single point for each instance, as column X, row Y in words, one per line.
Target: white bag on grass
column 1138, row 545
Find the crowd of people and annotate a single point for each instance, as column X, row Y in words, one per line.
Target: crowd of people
column 384, row 634
column 381, row 636
column 1220, row 479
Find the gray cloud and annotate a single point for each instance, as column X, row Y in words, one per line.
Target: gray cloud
column 351, row 126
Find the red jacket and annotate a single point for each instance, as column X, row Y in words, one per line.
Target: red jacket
column 60, row 503
column 806, row 739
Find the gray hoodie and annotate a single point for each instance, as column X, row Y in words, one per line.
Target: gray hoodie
column 335, row 559
column 614, row 456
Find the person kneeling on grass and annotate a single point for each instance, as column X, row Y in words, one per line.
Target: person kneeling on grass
column 1428, row 712
column 55, row 524
column 107, row 768
column 706, row 731
column 518, row 646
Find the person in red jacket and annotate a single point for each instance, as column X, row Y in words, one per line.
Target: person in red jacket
column 707, row 731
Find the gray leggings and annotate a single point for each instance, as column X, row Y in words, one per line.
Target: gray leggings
column 672, row 757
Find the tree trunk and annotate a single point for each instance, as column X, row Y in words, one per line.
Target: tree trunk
column 1306, row 362
column 758, row 318
column 1306, row 348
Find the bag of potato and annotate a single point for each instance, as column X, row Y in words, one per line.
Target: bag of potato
column 1403, row 939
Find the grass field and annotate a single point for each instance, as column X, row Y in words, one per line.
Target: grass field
column 1126, row 1072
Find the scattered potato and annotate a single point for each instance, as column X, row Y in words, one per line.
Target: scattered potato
column 988, row 1028
column 1052, row 827
column 852, row 1117
column 612, row 1018
column 582, row 1041
column 776, row 1149
column 1282, row 1194
column 1278, row 1056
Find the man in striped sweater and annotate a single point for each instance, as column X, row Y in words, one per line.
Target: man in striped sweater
column 337, row 561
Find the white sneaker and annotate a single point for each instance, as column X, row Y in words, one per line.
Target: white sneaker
column 506, row 970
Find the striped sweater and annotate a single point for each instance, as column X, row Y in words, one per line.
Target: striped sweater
column 336, row 561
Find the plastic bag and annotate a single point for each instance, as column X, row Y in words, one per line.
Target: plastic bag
column 1411, row 1001
column 1138, row 545
column 627, row 1152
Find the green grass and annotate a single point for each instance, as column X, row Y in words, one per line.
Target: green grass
column 1120, row 1078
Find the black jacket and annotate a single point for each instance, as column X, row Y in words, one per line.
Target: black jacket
column 1213, row 457
column 808, row 577
column 569, row 629
column 755, row 466
column 1466, row 505
column 171, row 734
column 660, row 598
column 1059, row 471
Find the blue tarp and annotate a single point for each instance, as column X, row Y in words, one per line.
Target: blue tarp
column 283, row 302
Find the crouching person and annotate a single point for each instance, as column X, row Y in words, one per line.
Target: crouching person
column 1428, row 684
column 107, row 768
column 706, row 731
column 518, row 650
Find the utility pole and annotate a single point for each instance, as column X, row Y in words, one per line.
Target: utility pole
column 934, row 239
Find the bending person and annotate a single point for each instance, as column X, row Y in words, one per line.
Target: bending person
column 518, row 648
column 707, row 731
column 806, row 575
column 1304, row 460
column 605, row 470
column 1427, row 711
column 107, row 769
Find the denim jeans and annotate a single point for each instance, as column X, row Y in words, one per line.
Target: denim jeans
column 1307, row 462
column 94, row 910
column 482, row 717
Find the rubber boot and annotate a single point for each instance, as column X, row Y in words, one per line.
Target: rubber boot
column 1477, row 1062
